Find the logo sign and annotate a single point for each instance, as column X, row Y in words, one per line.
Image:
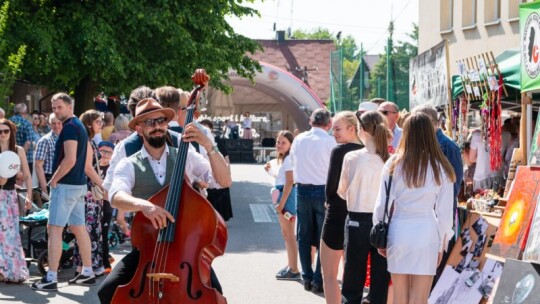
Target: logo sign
column 529, row 47
column 529, row 23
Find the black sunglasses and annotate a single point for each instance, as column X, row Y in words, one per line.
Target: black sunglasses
column 5, row 131
column 152, row 122
column 386, row 112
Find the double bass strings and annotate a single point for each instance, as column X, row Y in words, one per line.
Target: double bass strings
column 161, row 251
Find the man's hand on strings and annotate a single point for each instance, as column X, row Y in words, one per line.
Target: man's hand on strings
column 157, row 215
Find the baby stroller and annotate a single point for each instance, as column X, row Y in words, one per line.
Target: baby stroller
column 35, row 246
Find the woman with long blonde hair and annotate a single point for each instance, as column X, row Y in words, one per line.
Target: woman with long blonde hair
column 345, row 131
column 420, row 181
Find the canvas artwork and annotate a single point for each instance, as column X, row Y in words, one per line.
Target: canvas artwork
column 511, row 235
column 519, row 283
column 467, row 287
column 532, row 249
column 534, row 156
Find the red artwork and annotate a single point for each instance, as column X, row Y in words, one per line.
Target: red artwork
column 511, row 236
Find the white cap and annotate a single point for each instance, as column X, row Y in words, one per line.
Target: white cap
column 368, row 106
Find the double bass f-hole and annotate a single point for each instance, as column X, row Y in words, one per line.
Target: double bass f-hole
column 198, row 294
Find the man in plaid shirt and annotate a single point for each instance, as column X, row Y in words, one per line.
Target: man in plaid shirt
column 24, row 128
column 44, row 156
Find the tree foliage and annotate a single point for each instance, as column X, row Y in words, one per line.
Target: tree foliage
column 113, row 46
column 11, row 66
column 402, row 52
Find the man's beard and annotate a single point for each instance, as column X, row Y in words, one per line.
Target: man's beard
column 156, row 141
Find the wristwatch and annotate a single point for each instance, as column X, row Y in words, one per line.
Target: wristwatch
column 214, row 150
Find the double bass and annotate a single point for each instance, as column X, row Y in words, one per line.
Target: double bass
column 174, row 262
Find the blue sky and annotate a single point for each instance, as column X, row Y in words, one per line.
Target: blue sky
column 366, row 21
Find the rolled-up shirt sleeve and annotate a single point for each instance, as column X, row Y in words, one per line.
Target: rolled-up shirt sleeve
column 124, row 178
column 119, row 153
column 198, row 169
column 444, row 210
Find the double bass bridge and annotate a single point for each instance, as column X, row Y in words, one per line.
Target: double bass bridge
column 157, row 277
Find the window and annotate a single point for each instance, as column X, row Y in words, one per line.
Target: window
column 447, row 14
column 468, row 14
column 492, row 11
column 513, row 9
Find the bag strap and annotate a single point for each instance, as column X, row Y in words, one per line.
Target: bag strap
column 387, row 187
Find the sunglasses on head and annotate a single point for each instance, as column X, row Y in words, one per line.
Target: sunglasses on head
column 385, row 112
column 152, row 122
column 5, row 131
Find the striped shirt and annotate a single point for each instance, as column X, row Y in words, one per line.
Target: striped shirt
column 45, row 151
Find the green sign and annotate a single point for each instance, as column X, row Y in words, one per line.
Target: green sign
column 529, row 29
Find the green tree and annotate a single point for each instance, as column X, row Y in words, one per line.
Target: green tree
column 12, row 66
column 89, row 46
column 402, row 52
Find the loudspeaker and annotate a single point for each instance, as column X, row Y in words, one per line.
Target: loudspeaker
column 232, row 145
column 247, row 157
column 235, row 157
column 246, row 145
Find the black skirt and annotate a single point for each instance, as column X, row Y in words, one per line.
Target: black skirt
column 221, row 201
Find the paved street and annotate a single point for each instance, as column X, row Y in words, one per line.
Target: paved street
column 255, row 252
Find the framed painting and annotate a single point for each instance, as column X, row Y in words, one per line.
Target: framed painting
column 511, row 236
column 532, row 249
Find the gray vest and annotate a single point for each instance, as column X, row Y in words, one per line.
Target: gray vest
column 146, row 183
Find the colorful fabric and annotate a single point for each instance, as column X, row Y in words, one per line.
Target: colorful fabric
column 24, row 129
column 12, row 264
column 94, row 213
column 45, row 151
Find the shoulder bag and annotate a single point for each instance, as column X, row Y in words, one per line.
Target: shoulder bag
column 379, row 233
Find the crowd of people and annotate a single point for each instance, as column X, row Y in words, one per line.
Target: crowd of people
column 332, row 184
column 353, row 170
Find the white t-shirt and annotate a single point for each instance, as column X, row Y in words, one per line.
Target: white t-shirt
column 482, row 170
column 286, row 165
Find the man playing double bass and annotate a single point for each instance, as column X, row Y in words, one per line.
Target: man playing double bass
column 138, row 177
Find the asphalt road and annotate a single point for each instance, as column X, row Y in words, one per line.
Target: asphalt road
column 255, row 252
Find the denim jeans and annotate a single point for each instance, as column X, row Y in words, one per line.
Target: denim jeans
column 356, row 250
column 310, row 213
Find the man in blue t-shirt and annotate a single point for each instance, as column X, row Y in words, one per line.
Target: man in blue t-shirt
column 68, row 189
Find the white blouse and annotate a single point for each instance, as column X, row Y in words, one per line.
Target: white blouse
column 412, row 201
column 360, row 179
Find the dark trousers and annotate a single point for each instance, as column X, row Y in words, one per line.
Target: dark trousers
column 310, row 213
column 356, row 250
column 124, row 271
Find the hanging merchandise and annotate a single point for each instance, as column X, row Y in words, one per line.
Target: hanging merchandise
column 495, row 130
column 460, row 119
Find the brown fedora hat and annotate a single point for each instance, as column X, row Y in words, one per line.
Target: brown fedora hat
column 148, row 106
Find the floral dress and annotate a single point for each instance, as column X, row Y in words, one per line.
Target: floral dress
column 12, row 264
column 94, row 213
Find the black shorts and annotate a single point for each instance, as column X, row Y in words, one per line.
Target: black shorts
column 333, row 230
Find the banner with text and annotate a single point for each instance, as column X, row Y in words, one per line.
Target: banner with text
column 428, row 77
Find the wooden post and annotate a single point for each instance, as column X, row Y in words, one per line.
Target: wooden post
column 525, row 100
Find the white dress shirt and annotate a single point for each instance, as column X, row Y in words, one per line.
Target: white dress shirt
column 310, row 156
column 360, row 177
column 119, row 153
column 197, row 169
